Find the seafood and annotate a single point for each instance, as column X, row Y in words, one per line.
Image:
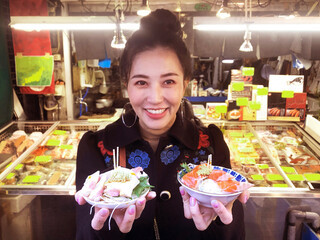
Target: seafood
column 206, row 178
column 116, row 186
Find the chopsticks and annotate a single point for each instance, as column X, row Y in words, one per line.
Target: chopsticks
column 210, row 160
column 115, row 158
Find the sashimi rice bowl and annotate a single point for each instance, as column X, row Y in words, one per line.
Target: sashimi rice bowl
column 117, row 188
column 206, row 182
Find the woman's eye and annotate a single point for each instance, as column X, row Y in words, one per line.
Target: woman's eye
column 168, row 82
column 141, row 83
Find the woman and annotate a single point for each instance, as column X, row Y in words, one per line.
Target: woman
column 158, row 136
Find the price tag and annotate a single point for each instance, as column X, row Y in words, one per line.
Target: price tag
column 237, row 86
column 53, row 142
column 248, row 71
column 221, row 109
column 10, row 175
column 312, row 176
column 254, row 105
column 31, row 179
column 248, row 135
column 262, row 91
column 295, row 177
column 59, row 132
column 235, row 134
column 248, row 160
column 257, row 177
column 274, row 177
column 69, row 147
column 19, row 166
column 42, row 159
column 287, row 94
column 288, row 169
column 263, row 166
column 242, row 101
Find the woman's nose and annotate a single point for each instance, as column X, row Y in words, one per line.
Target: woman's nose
column 156, row 94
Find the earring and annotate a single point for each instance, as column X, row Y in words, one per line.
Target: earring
column 182, row 108
column 122, row 116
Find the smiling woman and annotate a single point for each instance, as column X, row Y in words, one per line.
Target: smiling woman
column 157, row 134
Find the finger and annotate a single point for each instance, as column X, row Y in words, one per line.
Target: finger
column 243, row 197
column 129, row 216
column 198, row 220
column 100, row 216
column 224, row 213
column 185, row 199
column 151, row 195
column 79, row 198
column 140, row 205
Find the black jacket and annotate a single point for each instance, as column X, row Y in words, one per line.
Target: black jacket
column 185, row 142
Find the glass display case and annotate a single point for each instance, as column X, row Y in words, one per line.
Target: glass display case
column 50, row 166
column 279, row 158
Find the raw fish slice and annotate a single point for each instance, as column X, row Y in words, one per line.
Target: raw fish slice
column 232, row 186
column 191, row 179
column 229, row 186
column 220, row 175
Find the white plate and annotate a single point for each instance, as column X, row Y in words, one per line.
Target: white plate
column 117, row 205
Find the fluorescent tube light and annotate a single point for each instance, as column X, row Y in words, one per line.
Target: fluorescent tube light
column 36, row 23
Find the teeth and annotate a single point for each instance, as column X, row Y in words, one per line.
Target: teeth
column 155, row 111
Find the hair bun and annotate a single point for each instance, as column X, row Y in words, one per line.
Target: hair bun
column 161, row 21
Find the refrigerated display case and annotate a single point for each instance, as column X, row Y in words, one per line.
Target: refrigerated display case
column 279, row 158
column 49, row 167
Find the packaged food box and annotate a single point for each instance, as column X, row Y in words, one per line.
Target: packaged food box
column 216, row 111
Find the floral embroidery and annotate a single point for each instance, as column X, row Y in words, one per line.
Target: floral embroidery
column 203, row 140
column 107, row 159
column 168, row 155
column 102, row 149
column 139, row 158
column 195, row 160
column 202, row 152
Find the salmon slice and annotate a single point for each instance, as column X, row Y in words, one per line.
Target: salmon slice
column 220, row 175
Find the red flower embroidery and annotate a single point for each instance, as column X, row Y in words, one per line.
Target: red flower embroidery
column 203, row 140
column 103, row 150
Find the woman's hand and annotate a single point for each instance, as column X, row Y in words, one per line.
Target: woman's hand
column 123, row 217
column 203, row 216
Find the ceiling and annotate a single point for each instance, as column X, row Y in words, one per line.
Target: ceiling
column 237, row 7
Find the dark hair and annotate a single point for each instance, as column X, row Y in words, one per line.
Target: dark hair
column 159, row 28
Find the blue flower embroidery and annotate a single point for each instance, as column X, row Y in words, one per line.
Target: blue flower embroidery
column 202, row 152
column 169, row 155
column 107, row 159
column 195, row 160
column 139, row 158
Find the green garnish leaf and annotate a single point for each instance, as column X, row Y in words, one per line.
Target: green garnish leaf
column 138, row 190
column 186, row 167
column 204, row 169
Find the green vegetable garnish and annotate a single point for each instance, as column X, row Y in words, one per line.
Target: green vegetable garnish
column 204, row 169
column 186, row 168
column 138, row 190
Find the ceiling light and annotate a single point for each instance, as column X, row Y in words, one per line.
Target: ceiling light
column 228, row 61
column 144, row 10
column 38, row 23
column 119, row 40
column 246, row 46
column 223, row 12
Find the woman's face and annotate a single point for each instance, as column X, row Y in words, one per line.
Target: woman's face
column 155, row 88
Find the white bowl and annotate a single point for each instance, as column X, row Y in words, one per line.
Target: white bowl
column 204, row 198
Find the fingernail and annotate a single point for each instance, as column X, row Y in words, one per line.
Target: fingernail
column 192, row 202
column 131, row 209
column 103, row 212
column 182, row 192
column 214, row 203
column 141, row 202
